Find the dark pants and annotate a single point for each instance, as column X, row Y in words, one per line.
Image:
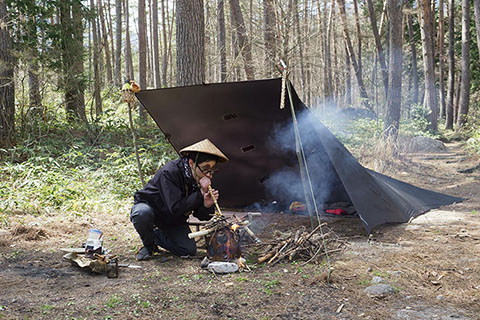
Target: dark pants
column 173, row 238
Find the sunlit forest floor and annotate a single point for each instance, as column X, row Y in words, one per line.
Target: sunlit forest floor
column 54, row 190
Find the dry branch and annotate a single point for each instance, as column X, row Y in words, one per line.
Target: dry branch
column 300, row 245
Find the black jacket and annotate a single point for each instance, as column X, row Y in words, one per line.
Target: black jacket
column 170, row 196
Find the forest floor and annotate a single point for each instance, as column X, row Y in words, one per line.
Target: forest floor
column 433, row 263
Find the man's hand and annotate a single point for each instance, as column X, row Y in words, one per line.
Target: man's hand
column 204, row 183
column 208, row 200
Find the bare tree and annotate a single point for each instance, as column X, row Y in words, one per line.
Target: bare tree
column 465, row 83
column 105, row 44
column 96, row 71
column 142, row 51
column 156, row 50
column 241, row 34
column 451, row 67
column 426, row 22
column 72, row 59
column 353, row 58
column 128, row 47
column 7, row 86
column 414, row 67
column 476, row 9
column 378, row 44
column 222, row 39
column 269, row 36
column 190, row 42
column 394, row 98
column 118, row 41
column 441, row 58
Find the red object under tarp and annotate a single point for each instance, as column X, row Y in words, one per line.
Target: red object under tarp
column 337, row 212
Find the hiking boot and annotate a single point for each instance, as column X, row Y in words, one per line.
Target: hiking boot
column 144, row 254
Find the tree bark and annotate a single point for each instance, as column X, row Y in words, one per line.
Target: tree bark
column 426, row 22
column 190, row 42
column 72, row 59
column 165, row 45
column 222, row 39
column 359, row 37
column 242, row 39
column 105, row 43
column 7, row 84
column 451, row 67
column 441, row 58
column 394, row 98
column 465, row 84
column 128, row 47
column 118, row 41
column 414, row 68
column 96, row 71
column 269, row 37
column 356, row 67
column 34, row 86
column 476, row 9
column 300, row 45
column 348, row 79
column 142, row 51
column 156, row 49
column 378, row 45
column 327, row 75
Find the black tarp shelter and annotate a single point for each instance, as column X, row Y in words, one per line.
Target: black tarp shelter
column 245, row 121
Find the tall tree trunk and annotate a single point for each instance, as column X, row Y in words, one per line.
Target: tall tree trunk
column 327, row 75
column 457, row 98
column 222, row 39
column 156, row 50
column 142, row 51
column 414, row 68
column 96, row 71
column 7, row 85
column 34, row 85
column 451, row 67
column 300, row 44
column 118, row 41
column 128, row 46
column 394, row 98
column 105, row 43
column 359, row 37
column 465, row 84
column 426, row 22
column 165, row 45
column 356, row 67
column 243, row 41
column 441, row 58
column 234, row 50
column 108, row 13
column 72, row 59
column 378, row 45
column 269, row 37
column 190, row 42
column 348, row 79
column 476, row 8
column 150, row 68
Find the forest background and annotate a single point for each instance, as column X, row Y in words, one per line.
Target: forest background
column 65, row 141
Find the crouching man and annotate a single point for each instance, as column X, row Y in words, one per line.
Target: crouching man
column 178, row 189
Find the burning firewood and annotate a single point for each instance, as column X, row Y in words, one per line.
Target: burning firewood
column 300, row 245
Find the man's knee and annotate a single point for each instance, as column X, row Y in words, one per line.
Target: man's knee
column 187, row 248
column 142, row 214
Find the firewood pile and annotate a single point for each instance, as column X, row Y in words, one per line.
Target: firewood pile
column 300, row 245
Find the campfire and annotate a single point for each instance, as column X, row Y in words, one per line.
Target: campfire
column 223, row 238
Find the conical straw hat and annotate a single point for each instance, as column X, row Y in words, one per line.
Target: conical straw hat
column 205, row 146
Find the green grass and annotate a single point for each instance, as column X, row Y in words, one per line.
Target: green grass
column 78, row 169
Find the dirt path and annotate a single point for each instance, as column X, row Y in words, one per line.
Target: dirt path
column 433, row 264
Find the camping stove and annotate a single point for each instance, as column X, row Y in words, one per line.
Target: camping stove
column 224, row 244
